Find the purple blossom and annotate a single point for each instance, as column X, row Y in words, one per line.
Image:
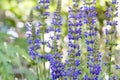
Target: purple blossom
column 56, row 65
column 74, row 34
column 117, row 67
column 77, row 62
column 57, row 19
column 86, row 77
column 114, row 2
column 78, row 53
column 108, row 15
column 90, row 39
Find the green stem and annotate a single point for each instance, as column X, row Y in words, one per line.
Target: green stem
column 70, row 78
column 37, row 69
column 40, row 69
column 43, row 32
column 55, row 44
column 44, row 52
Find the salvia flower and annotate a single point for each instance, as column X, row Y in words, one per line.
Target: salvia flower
column 57, row 67
column 78, row 16
column 74, row 35
column 94, row 56
column 42, row 7
column 86, row 77
column 33, row 40
column 111, row 12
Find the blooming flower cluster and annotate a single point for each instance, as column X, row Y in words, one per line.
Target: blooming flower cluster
column 43, row 5
column 111, row 33
column 36, row 35
column 74, row 35
column 56, row 65
column 33, row 31
column 33, row 40
column 94, row 56
column 78, row 16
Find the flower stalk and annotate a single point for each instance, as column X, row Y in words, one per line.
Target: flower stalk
column 111, row 13
column 94, row 56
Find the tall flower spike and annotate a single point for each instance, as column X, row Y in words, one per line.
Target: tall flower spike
column 111, row 34
column 33, row 40
column 42, row 7
column 57, row 67
column 36, row 36
column 74, row 35
column 33, row 31
column 94, row 56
